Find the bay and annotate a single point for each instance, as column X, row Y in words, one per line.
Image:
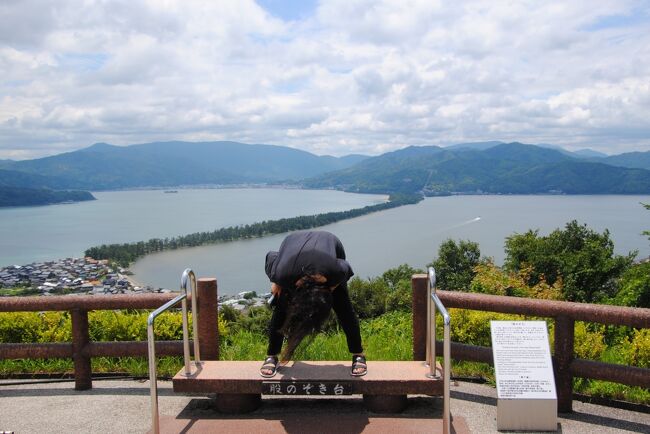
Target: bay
column 44, row 233
column 412, row 234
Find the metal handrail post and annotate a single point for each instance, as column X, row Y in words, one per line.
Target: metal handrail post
column 153, row 377
column 151, row 342
column 431, row 323
column 186, row 336
column 446, row 369
column 428, row 349
column 434, row 303
column 188, row 274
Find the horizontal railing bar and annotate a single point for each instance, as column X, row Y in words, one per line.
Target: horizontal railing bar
column 63, row 350
column 59, row 350
column 472, row 353
column 600, row 313
column 624, row 374
column 85, row 302
column 133, row 348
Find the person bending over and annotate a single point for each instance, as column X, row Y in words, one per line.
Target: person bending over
column 309, row 276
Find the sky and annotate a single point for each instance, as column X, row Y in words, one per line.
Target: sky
column 329, row 77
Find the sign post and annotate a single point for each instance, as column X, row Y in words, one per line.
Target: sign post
column 524, row 374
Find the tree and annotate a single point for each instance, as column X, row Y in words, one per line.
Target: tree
column 368, row 296
column 634, row 287
column 400, row 294
column 455, row 264
column 491, row 279
column 582, row 258
column 394, row 276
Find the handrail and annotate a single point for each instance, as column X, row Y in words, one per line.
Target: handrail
column 431, row 346
column 188, row 274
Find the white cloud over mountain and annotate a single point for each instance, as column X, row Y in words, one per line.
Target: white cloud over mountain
column 345, row 77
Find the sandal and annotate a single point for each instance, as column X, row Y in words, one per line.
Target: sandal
column 359, row 363
column 270, row 364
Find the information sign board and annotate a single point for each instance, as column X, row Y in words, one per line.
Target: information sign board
column 526, row 394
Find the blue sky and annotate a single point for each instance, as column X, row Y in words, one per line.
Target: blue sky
column 329, row 77
column 289, row 10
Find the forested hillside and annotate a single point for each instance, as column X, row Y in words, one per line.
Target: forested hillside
column 469, row 168
column 512, row 168
column 18, row 196
column 103, row 166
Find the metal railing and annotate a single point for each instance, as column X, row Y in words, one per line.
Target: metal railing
column 188, row 275
column 433, row 303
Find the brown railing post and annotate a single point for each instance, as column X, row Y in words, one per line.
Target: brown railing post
column 208, row 323
column 564, row 331
column 419, row 306
column 80, row 356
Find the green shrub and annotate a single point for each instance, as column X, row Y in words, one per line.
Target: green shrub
column 19, row 327
column 472, row 327
column 634, row 287
column 588, row 344
column 636, row 351
column 368, row 296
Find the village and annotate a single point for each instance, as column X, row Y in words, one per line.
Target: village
column 70, row 276
column 88, row 276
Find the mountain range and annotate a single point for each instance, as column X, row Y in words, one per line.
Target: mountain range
column 468, row 168
column 488, row 167
column 160, row 164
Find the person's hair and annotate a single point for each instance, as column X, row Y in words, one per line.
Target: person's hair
column 308, row 307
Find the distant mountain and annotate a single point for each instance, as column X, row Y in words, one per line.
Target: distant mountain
column 398, row 171
column 476, row 146
column 103, row 166
column 482, row 146
column 512, row 168
column 14, row 178
column 637, row 160
column 352, row 159
column 20, row 196
column 589, row 153
column 480, row 167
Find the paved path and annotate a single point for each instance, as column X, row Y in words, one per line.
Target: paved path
column 123, row 406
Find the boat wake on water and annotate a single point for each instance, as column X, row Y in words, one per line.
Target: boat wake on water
column 460, row 225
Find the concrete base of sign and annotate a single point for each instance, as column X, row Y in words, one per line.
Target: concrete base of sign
column 527, row 414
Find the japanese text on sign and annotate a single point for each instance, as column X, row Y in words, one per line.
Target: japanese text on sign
column 306, row 388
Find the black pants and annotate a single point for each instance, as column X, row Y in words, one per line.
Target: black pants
column 344, row 312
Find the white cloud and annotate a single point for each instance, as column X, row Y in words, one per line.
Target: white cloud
column 354, row 76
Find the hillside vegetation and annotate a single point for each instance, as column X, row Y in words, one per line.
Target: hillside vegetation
column 18, row 196
column 467, row 168
column 511, row 168
column 103, row 166
column 470, row 168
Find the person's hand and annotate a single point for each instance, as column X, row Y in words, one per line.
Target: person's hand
column 317, row 278
column 276, row 289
